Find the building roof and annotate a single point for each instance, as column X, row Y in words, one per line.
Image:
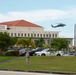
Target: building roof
column 22, row 23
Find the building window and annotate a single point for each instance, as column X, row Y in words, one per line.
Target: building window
column 46, row 35
column 25, row 34
column 18, row 34
column 21, row 34
column 11, row 34
column 34, row 35
column 28, row 35
column 37, row 35
column 40, row 35
column 68, row 42
column 53, row 35
column 43, row 35
column 15, row 34
column 49, row 35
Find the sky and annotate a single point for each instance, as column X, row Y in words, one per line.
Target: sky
column 43, row 13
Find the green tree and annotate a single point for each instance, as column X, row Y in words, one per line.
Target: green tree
column 26, row 43
column 13, row 41
column 4, row 41
column 59, row 43
column 39, row 42
column 46, row 46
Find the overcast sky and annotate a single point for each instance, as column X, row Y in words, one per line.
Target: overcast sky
column 42, row 12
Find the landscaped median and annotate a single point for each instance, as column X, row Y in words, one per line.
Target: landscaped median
column 54, row 64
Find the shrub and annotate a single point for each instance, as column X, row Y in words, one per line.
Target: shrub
column 12, row 53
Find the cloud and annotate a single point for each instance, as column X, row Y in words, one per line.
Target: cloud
column 39, row 15
column 72, row 13
column 35, row 16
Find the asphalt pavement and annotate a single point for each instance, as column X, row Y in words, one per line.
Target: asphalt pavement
column 23, row 73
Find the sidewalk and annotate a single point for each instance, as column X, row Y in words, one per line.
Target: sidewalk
column 23, row 73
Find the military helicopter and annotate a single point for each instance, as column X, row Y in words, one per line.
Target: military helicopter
column 59, row 25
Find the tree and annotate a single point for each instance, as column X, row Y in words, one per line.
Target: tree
column 13, row 41
column 46, row 46
column 59, row 43
column 39, row 42
column 26, row 43
column 4, row 41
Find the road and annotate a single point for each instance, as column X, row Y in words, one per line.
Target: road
column 22, row 73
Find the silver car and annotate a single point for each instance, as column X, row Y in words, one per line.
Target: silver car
column 44, row 52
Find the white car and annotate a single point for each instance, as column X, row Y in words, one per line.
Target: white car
column 44, row 52
column 47, row 52
column 59, row 53
column 70, row 54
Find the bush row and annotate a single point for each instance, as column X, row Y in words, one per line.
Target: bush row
column 12, row 53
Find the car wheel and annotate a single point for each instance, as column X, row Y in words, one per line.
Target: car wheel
column 43, row 55
column 58, row 55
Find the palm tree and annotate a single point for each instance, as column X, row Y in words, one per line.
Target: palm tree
column 26, row 43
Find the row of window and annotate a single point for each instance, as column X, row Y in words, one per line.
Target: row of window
column 33, row 35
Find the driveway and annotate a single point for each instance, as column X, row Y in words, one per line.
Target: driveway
column 23, row 73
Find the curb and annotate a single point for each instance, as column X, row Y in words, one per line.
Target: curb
column 55, row 72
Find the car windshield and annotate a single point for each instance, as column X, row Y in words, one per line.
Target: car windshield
column 45, row 49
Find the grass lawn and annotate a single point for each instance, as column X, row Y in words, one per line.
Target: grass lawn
column 4, row 58
column 52, row 63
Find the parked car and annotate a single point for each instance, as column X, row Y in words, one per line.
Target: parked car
column 11, row 53
column 70, row 54
column 32, row 52
column 47, row 52
column 22, row 52
column 44, row 52
column 17, row 48
column 59, row 53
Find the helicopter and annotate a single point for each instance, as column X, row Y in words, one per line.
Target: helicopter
column 59, row 25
